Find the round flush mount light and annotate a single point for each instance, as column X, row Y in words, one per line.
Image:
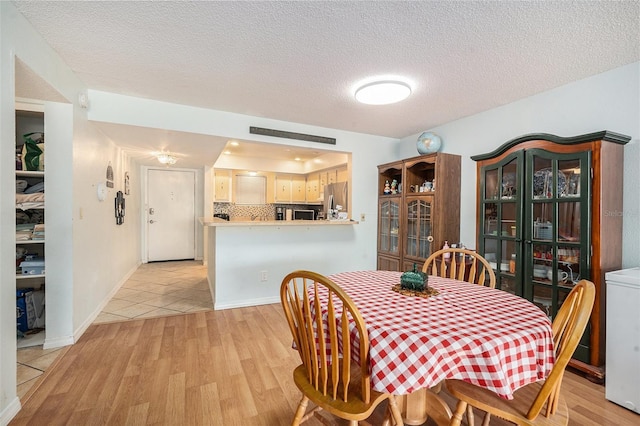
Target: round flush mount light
column 383, row 92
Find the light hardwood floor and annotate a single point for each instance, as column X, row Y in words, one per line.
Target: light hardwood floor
column 230, row 367
column 153, row 290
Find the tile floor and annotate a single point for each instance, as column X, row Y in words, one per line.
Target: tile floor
column 154, row 289
column 160, row 289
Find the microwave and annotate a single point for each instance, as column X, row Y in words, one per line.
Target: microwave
column 304, row 214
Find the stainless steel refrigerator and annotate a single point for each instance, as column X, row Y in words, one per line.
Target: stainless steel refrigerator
column 335, row 194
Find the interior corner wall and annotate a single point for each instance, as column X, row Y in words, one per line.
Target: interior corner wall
column 607, row 101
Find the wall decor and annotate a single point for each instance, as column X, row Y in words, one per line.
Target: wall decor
column 109, row 176
column 126, row 183
column 119, row 208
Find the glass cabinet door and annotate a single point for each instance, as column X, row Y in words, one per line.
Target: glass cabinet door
column 389, row 219
column 419, row 226
column 557, row 220
column 500, row 241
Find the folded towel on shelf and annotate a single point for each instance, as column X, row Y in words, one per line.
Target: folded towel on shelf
column 30, row 198
column 21, row 185
column 30, row 201
column 23, row 235
column 38, row 187
column 38, row 232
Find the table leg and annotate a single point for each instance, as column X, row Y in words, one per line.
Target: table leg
column 418, row 406
column 414, row 407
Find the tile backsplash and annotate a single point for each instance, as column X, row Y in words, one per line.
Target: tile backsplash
column 256, row 211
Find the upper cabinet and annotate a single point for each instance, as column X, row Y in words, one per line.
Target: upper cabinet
column 298, row 189
column 281, row 187
column 313, row 187
column 545, row 222
column 418, row 209
column 222, row 185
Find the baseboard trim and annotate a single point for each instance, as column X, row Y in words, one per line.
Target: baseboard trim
column 58, row 342
column 10, row 411
column 246, row 303
column 83, row 327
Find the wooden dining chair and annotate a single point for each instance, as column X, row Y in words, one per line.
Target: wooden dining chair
column 463, row 265
column 323, row 322
column 460, row 264
column 528, row 401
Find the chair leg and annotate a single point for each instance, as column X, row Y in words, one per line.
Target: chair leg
column 487, row 419
column 470, row 418
column 395, row 411
column 302, row 407
column 456, row 420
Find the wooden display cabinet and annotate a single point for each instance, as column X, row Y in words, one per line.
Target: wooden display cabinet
column 545, row 221
column 417, row 219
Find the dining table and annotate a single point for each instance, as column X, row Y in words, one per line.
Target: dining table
column 485, row 336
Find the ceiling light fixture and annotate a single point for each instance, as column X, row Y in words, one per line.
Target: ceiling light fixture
column 166, row 158
column 383, row 92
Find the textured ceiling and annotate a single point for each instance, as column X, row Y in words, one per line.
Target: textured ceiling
column 300, row 61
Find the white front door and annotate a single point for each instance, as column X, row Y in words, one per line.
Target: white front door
column 171, row 215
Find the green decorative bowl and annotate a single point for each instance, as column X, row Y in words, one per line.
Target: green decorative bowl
column 413, row 280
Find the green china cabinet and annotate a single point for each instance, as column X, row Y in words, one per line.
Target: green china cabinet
column 546, row 219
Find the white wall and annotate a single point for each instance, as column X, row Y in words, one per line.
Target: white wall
column 244, row 252
column 92, row 255
column 608, row 101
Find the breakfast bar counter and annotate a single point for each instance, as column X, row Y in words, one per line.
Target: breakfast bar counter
column 215, row 221
column 247, row 260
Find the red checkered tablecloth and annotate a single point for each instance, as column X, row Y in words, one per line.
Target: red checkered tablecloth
column 485, row 336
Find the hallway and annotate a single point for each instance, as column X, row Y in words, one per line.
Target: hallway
column 153, row 290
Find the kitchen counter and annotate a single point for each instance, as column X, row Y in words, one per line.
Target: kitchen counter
column 247, row 260
column 215, row 221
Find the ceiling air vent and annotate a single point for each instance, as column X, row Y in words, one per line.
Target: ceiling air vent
column 291, row 135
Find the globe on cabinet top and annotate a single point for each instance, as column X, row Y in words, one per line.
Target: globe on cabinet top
column 428, row 143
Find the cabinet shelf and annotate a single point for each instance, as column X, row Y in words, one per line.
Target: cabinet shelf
column 563, row 262
column 29, row 173
column 28, row 277
column 29, row 211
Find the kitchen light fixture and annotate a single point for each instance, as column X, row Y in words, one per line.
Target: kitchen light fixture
column 166, row 158
column 383, row 92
